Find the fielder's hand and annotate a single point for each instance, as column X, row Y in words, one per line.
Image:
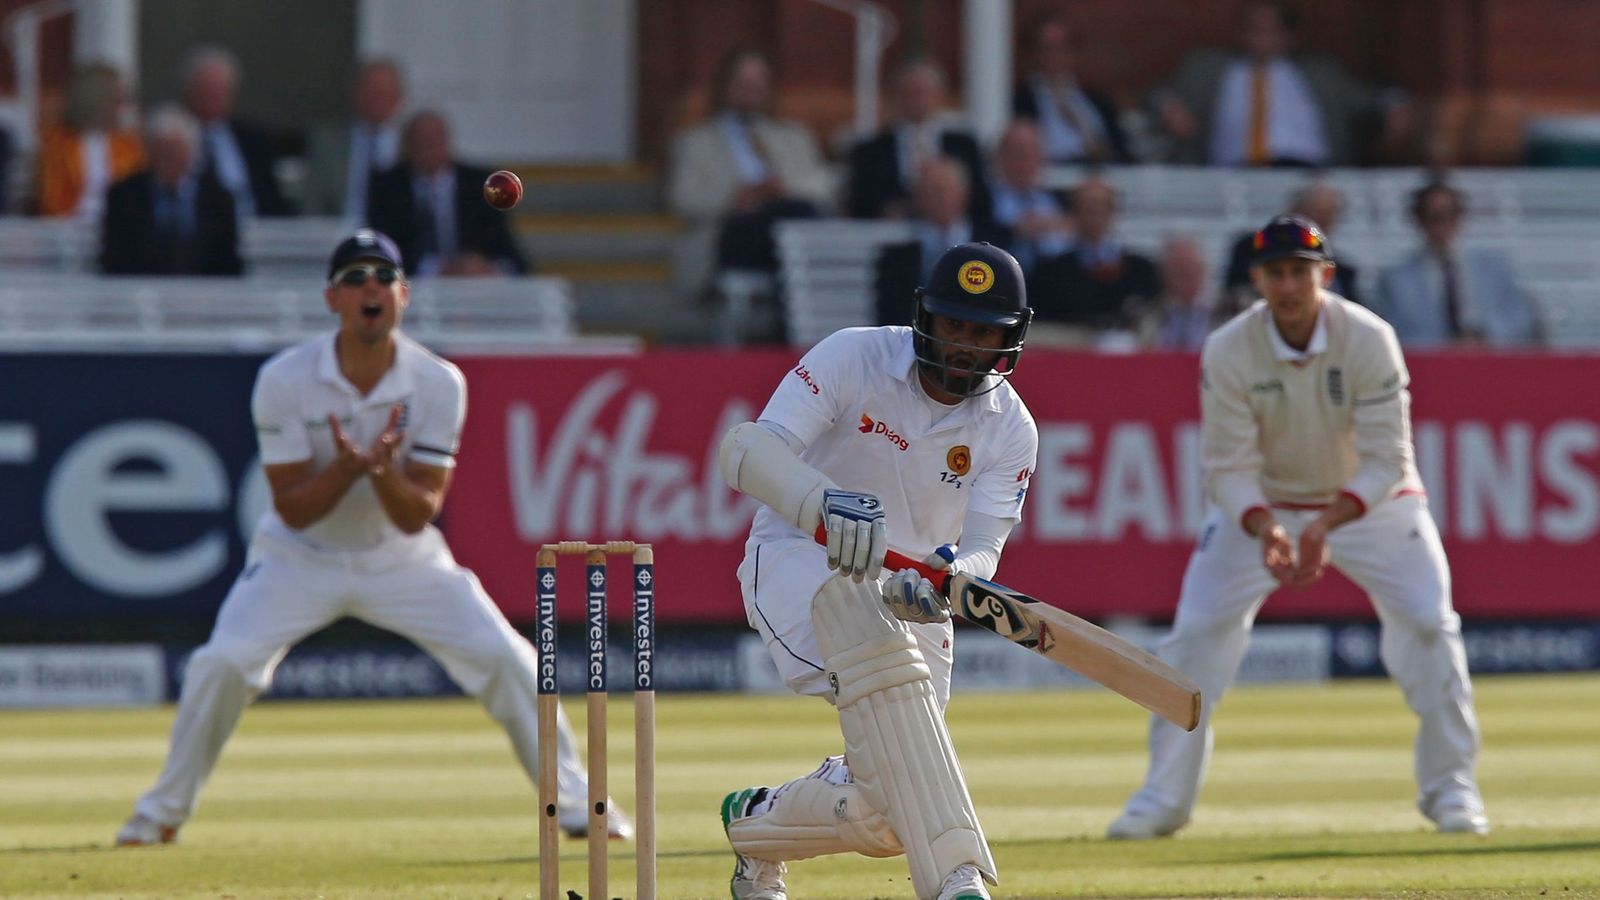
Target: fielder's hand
column 857, row 535
column 348, row 458
column 912, row 598
column 1313, row 555
column 383, row 449
column 1277, row 553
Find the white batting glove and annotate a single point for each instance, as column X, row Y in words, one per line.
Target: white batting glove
column 857, row 535
column 912, row 598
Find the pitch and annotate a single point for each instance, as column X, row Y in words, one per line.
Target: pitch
column 1310, row 796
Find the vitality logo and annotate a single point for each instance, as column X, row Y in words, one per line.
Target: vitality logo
column 868, row 426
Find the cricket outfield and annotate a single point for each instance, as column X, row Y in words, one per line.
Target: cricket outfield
column 1310, row 795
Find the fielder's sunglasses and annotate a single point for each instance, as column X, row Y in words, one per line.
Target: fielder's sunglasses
column 356, row 276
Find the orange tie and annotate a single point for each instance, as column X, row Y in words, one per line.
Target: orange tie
column 1258, row 115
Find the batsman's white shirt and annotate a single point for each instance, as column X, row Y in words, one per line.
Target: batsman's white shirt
column 299, row 387
column 856, row 403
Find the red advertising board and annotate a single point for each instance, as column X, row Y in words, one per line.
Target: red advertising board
column 625, row 447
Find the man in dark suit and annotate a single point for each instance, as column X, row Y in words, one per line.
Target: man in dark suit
column 1036, row 216
column 341, row 159
column 434, row 209
column 1323, row 204
column 1098, row 284
column 883, row 168
column 1076, row 124
column 941, row 197
column 240, row 155
column 170, row 218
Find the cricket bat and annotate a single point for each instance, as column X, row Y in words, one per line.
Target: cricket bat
column 1064, row 638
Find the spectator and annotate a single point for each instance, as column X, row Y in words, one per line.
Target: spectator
column 1323, row 204
column 433, row 207
column 1266, row 106
column 90, row 148
column 343, row 158
column 739, row 172
column 941, row 200
column 239, row 154
column 170, row 218
column 1098, row 284
column 1187, row 309
column 1444, row 295
column 1078, row 125
column 1035, row 215
column 883, row 168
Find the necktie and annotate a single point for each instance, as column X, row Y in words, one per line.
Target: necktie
column 1093, row 148
column 1452, row 298
column 1258, row 115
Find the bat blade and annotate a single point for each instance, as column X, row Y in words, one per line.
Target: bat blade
column 1065, row 639
column 1080, row 645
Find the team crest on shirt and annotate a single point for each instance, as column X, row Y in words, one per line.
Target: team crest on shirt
column 959, row 459
column 975, row 276
column 1336, row 386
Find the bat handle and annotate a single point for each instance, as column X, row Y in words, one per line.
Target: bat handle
column 894, row 560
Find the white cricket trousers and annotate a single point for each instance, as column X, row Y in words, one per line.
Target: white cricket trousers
column 1393, row 553
column 287, row 591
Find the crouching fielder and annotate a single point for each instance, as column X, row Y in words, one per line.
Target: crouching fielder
column 911, row 436
column 1308, row 461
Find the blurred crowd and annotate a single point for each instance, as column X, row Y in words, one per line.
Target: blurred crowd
column 170, row 192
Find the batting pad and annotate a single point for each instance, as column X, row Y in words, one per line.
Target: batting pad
column 814, row 818
column 898, row 749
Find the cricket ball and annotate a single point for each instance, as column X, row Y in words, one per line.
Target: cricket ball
column 502, row 189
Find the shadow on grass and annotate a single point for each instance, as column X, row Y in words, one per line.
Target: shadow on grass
column 65, row 848
column 1477, row 847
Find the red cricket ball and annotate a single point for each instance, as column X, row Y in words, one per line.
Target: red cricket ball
column 502, row 189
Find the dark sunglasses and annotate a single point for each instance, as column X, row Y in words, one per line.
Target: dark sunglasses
column 356, row 276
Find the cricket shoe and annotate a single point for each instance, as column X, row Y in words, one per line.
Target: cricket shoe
column 965, row 883
column 140, row 831
column 1463, row 821
column 574, row 822
column 1132, row 826
column 753, row 879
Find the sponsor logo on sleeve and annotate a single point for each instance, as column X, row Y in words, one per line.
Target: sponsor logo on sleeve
column 806, row 377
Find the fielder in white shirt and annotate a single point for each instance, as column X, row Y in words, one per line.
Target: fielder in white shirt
column 358, row 432
column 910, row 436
column 1308, row 462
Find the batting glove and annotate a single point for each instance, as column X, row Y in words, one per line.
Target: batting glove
column 857, row 535
column 912, row 598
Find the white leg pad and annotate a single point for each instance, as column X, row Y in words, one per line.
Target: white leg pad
column 898, row 749
column 815, row 818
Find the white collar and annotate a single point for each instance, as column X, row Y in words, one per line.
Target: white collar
column 1319, row 337
column 905, row 363
column 395, row 383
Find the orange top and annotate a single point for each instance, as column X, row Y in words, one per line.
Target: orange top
column 61, row 172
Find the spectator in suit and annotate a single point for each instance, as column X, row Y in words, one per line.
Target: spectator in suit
column 1444, row 295
column 433, row 207
column 738, row 173
column 239, row 154
column 1265, row 105
column 1323, row 204
column 1035, row 215
column 1098, row 284
column 940, row 199
column 343, row 158
column 883, row 168
column 171, row 218
column 1188, row 307
column 1078, row 125
column 90, row 148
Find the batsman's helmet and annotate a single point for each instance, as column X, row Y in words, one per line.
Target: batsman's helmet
column 973, row 283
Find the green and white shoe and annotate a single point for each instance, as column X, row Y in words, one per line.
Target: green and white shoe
column 965, row 883
column 753, row 879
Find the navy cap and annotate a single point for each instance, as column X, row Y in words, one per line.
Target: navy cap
column 364, row 244
column 1287, row 236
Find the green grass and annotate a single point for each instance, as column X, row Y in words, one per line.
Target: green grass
column 1310, row 795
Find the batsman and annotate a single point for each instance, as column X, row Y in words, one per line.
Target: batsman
column 906, row 435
